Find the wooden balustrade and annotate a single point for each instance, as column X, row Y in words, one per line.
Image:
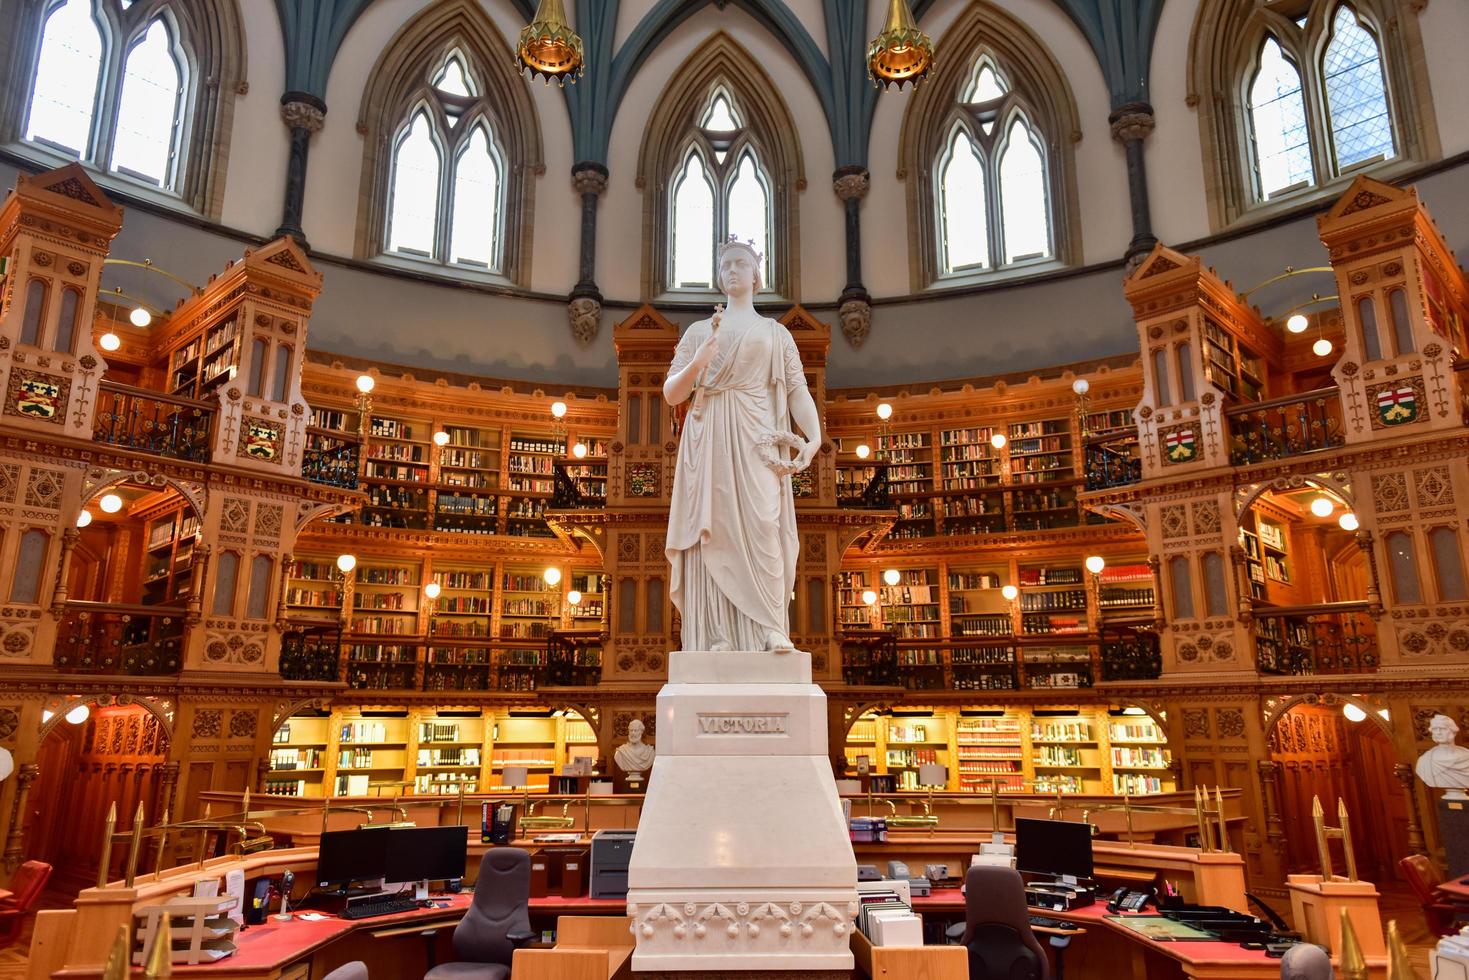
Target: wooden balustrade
column 1329, row 638
column 153, row 422
column 1282, row 427
column 114, row 638
column 1113, row 459
column 330, row 459
column 311, row 652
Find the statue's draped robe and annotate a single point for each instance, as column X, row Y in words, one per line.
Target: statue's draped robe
column 732, row 541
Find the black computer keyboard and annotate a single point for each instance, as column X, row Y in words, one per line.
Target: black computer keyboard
column 1045, row 923
column 376, row 907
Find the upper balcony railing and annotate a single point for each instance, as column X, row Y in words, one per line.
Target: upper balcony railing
column 153, row 422
column 113, row 638
column 1330, row 638
column 1130, row 652
column 1112, row 459
column 1283, row 427
column 311, row 652
column 331, row 460
column 569, row 493
column 874, row 494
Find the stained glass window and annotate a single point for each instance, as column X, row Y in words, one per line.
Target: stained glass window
column 1404, row 567
column 1356, row 96
column 1278, row 115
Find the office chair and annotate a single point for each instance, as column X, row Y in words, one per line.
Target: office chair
column 1306, row 962
column 997, row 927
column 30, row 879
column 1422, row 877
column 496, row 922
column 356, row 970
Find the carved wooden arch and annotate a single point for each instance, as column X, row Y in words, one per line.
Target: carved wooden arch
column 1037, row 77
column 284, row 710
column 319, row 511
column 196, row 495
column 589, row 712
column 1223, row 47
column 160, row 708
column 1275, row 712
column 1334, row 483
column 1153, row 709
column 1124, row 513
column 722, row 62
column 855, row 710
column 391, row 90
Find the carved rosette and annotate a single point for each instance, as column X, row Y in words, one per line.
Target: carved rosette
column 585, row 313
column 303, row 115
column 852, row 185
column 1132, row 125
column 856, row 317
column 793, row 926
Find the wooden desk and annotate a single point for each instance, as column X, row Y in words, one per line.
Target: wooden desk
column 1455, row 890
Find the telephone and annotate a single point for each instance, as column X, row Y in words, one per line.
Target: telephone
column 1123, row 900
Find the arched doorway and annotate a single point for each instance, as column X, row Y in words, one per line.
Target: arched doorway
column 1339, row 751
column 115, row 754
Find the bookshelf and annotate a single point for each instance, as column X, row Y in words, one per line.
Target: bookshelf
column 1060, row 666
column 862, row 740
column 1040, row 451
column 529, row 609
column 987, row 667
column 383, row 632
column 466, row 481
column 206, row 360
column 529, row 481
column 976, row 606
column 909, row 456
column 852, row 612
column 1052, row 600
column 396, row 473
column 369, row 750
column 911, row 608
column 449, row 753
column 1140, row 760
column 1266, row 552
column 465, row 606
column 529, row 742
column 298, row 756
column 990, row 752
column 590, row 612
column 314, row 592
column 1066, row 755
column 854, row 474
column 589, row 472
column 168, row 559
column 1230, row 365
column 910, row 742
column 1125, row 589
column 921, row 668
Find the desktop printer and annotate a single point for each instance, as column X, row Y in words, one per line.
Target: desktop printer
column 1450, row 959
column 1058, row 895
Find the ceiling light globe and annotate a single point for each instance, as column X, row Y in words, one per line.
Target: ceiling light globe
column 1081, row 386
column 869, row 597
column 558, row 410
column 365, row 383
column 110, row 503
column 1095, row 564
column 1348, row 521
column 579, row 450
column 441, row 438
column 1297, row 323
column 345, row 563
column 84, row 518
column 78, row 714
column 140, row 317
column 1384, row 714
column 863, row 450
column 573, row 597
column 109, row 341
column 892, row 576
column 884, row 411
column 552, row 575
column 998, row 440
column 1322, row 506
column 1321, row 348
column 1009, row 592
column 432, row 590
column 1353, row 713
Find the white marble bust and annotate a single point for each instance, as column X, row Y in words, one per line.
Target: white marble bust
column 636, row 756
column 1446, row 765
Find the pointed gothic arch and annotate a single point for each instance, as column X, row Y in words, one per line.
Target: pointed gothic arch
column 404, row 75
column 768, row 128
column 1035, row 87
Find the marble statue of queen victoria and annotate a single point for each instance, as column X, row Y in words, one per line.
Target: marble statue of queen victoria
column 732, row 540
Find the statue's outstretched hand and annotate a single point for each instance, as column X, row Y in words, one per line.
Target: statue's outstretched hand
column 807, row 454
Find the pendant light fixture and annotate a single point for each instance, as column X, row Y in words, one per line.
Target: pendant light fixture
column 549, row 47
column 901, row 53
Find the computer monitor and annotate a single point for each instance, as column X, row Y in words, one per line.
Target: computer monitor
column 427, row 853
column 346, row 856
column 1053, row 847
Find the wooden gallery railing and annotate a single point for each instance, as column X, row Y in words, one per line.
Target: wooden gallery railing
column 1330, row 638
column 331, row 459
column 153, row 422
column 111, row 638
column 1291, row 426
column 1113, row 459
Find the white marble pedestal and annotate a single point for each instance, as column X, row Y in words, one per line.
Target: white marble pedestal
column 743, row 861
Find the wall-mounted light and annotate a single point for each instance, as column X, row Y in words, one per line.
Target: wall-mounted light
column 84, row 518
column 573, row 598
column 869, row 597
column 432, row 590
column 552, row 576
column 1095, row 564
column 1010, row 592
column 884, row 411
column 558, row 409
column 1322, row 347
column 365, row 383
column 1348, row 521
column 998, row 440
column 345, row 563
column 579, row 450
column 441, row 438
column 1081, row 386
column 109, row 341
column 892, row 576
column 1353, row 713
column 863, row 450
column 110, row 503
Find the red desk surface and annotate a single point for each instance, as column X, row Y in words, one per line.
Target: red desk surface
column 1456, row 889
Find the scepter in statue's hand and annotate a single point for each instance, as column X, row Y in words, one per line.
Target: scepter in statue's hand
column 698, row 406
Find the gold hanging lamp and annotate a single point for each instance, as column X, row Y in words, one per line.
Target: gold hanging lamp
column 549, row 47
column 901, row 53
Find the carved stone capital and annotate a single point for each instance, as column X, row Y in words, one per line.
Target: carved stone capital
column 856, row 317
column 1132, row 122
column 850, row 183
column 300, row 110
column 586, row 318
column 589, row 178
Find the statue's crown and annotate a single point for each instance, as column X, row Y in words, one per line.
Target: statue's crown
column 748, row 245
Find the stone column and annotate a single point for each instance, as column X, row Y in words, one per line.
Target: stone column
column 1404, row 774
column 1274, row 826
column 303, row 114
column 1131, row 124
column 59, row 595
column 851, row 184
column 585, row 305
column 15, row 842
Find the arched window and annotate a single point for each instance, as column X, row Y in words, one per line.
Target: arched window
column 226, row 577
column 30, row 326
column 66, row 319
column 142, row 88
column 1181, row 586
column 721, row 157
column 1404, row 566
column 257, row 604
column 453, row 149
column 30, row 563
column 722, row 190
column 993, row 189
column 1402, row 326
column 446, row 203
column 1371, row 339
column 986, row 155
column 1216, row 591
column 1295, row 97
column 1448, row 564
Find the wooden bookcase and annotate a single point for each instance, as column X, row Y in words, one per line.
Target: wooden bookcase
column 911, row 608
column 206, row 359
column 529, row 482
column 168, row 559
column 298, row 756
column 1230, row 364
column 467, row 480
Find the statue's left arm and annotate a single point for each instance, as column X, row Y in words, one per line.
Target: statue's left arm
column 802, row 405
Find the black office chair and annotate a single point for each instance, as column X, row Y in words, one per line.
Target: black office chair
column 997, row 927
column 356, row 970
column 497, row 921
